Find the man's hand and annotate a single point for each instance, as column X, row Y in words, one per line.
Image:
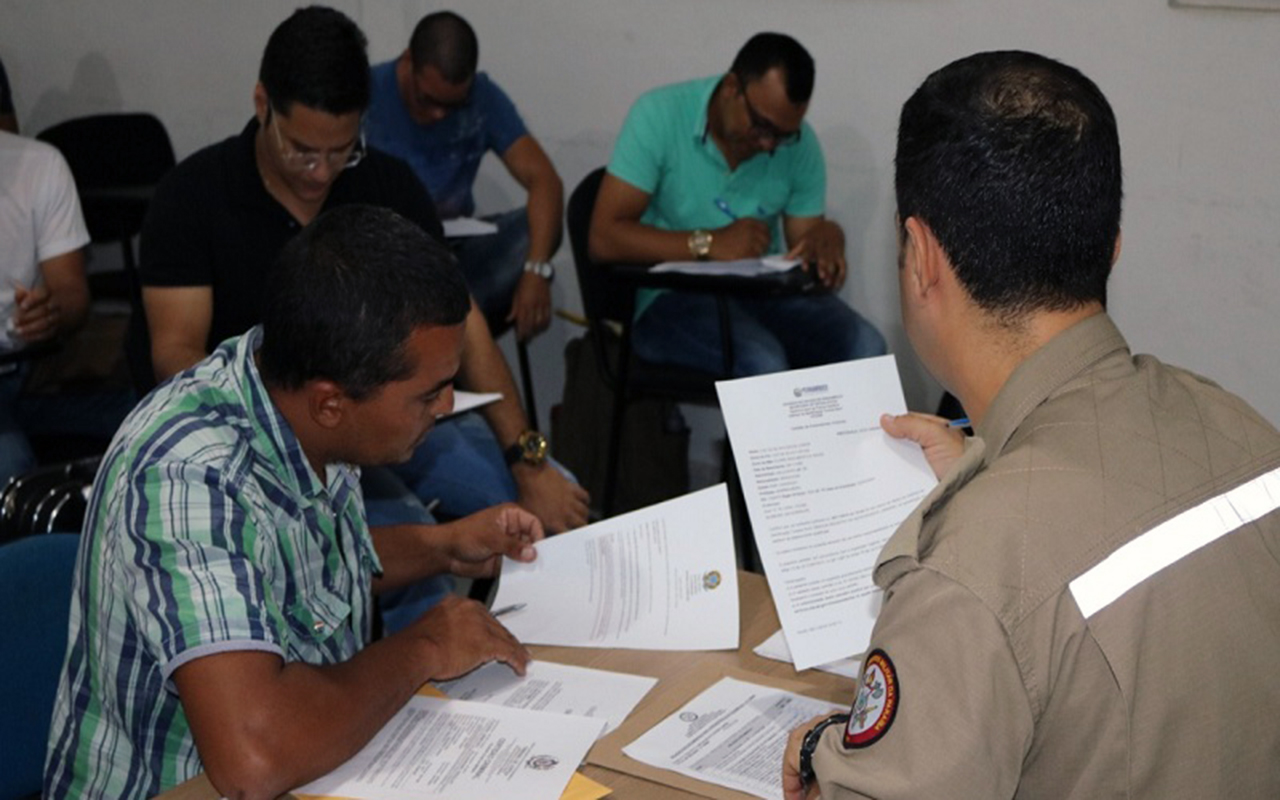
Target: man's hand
column 743, row 238
column 942, row 444
column 531, row 306
column 560, row 503
column 477, row 543
column 464, row 635
column 37, row 317
column 792, row 787
column 822, row 245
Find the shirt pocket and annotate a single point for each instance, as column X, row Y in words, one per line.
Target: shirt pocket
column 315, row 617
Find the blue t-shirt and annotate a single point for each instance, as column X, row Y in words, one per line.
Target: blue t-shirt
column 445, row 156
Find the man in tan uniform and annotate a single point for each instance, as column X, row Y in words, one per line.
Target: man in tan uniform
column 1088, row 604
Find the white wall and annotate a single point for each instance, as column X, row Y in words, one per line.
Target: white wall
column 1194, row 90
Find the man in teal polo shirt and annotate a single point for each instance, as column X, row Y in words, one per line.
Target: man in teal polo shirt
column 725, row 168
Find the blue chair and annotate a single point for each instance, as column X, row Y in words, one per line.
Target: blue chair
column 35, row 601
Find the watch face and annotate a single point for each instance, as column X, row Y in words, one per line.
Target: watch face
column 533, row 447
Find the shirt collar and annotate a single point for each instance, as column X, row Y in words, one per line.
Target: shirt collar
column 1040, row 375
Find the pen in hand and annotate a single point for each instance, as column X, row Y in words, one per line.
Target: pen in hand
column 723, row 206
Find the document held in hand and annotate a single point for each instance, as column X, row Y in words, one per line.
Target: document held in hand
column 825, row 488
column 660, row 578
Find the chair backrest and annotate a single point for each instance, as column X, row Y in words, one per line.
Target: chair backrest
column 35, row 601
column 602, row 299
column 113, row 150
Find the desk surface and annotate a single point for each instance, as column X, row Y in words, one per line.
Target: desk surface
column 759, row 620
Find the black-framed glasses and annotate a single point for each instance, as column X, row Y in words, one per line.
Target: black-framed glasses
column 762, row 128
column 343, row 158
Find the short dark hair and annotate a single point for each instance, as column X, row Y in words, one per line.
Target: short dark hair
column 447, row 42
column 317, row 57
column 1013, row 161
column 346, row 293
column 766, row 51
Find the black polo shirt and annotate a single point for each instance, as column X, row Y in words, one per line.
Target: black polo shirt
column 212, row 223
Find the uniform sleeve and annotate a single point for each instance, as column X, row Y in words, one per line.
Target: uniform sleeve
column 638, row 153
column 174, row 249
column 503, row 125
column 59, row 222
column 191, row 566
column 809, row 182
column 962, row 723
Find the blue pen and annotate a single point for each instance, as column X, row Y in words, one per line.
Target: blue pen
column 723, row 206
column 963, row 422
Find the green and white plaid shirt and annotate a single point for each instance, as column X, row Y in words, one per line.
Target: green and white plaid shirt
column 208, row 532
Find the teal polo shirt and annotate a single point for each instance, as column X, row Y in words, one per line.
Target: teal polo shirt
column 666, row 151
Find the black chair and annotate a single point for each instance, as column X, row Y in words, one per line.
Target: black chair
column 117, row 161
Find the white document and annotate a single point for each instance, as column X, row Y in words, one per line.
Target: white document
column 459, row 227
column 556, row 688
column 734, row 734
column 660, row 578
column 454, row 750
column 465, row 401
column 825, row 488
column 775, row 647
column 747, row 267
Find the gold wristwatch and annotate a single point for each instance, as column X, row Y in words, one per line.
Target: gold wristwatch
column 700, row 244
column 530, row 448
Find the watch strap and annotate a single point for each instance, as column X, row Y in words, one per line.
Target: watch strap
column 810, row 743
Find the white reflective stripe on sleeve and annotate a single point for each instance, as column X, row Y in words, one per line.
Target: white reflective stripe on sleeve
column 1173, row 539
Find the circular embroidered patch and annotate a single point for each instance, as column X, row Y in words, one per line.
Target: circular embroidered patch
column 876, row 704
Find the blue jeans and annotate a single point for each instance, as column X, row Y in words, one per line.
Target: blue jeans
column 493, row 264
column 770, row 334
column 388, row 502
column 459, row 467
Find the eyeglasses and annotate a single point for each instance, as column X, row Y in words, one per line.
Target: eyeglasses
column 343, row 158
column 762, row 128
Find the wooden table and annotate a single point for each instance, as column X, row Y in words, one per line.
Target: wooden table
column 758, row 621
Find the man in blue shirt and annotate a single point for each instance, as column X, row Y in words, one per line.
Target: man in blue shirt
column 431, row 108
column 725, row 168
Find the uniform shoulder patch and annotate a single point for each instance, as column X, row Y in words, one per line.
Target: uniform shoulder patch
column 879, row 695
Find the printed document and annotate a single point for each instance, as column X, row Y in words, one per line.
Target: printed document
column 775, row 648
column 660, row 578
column 454, row 750
column 733, row 734
column 825, row 488
column 558, row 688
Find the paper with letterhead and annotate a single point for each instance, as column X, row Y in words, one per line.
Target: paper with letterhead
column 455, row 750
column 825, row 487
column 744, row 268
column 733, row 734
column 660, row 578
column 460, row 227
column 557, row 688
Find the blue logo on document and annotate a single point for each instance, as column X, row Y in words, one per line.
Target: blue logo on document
column 711, row 580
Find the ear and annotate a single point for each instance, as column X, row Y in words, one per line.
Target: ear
column 922, row 257
column 327, row 404
column 260, row 102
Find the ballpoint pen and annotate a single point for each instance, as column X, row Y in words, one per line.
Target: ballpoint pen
column 723, row 206
column 963, row 422
column 508, row 609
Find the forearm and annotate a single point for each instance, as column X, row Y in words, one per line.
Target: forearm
column 545, row 212
column 409, row 553
column 485, row 370
column 301, row 721
column 168, row 359
column 630, row 242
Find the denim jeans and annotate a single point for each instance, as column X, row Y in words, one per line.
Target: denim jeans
column 388, row 502
column 493, row 264
column 770, row 334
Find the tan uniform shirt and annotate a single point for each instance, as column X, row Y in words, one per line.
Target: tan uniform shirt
column 1003, row 686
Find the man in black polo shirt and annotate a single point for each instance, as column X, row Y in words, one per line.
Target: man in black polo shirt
column 219, row 219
